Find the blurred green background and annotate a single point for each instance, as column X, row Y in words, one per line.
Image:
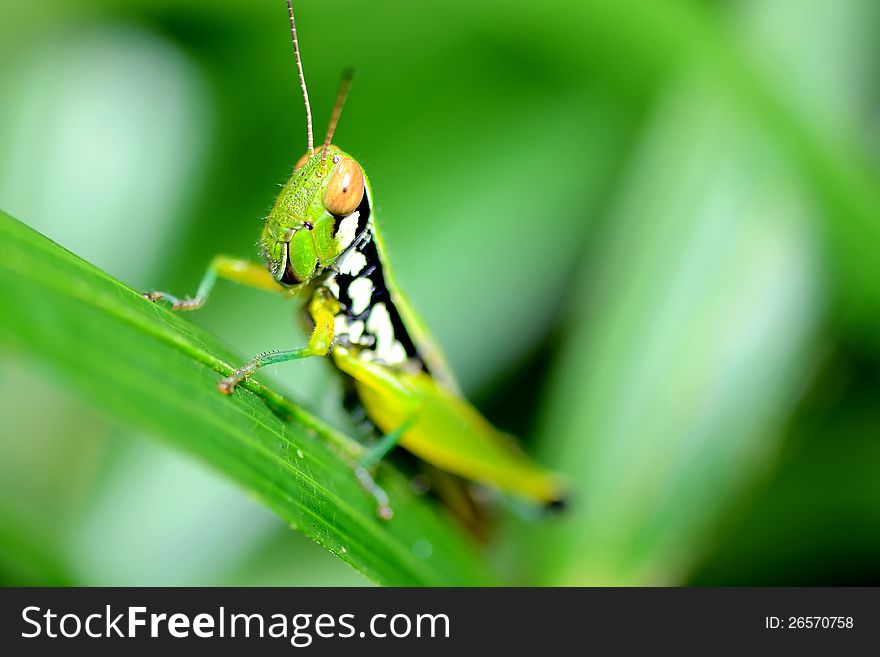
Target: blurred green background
column 646, row 233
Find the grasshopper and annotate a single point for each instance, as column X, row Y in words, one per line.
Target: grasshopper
column 321, row 242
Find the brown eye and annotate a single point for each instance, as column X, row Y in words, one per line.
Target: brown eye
column 301, row 162
column 345, row 189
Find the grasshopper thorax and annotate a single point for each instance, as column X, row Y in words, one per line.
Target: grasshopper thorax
column 316, row 216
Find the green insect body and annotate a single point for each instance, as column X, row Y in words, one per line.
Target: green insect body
column 321, row 241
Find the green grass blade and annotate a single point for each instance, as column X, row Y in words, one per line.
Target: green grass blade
column 147, row 367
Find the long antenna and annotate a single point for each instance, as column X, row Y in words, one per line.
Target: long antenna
column 302, row 77
column 344, row 86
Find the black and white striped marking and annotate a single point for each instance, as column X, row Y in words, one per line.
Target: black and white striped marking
column 368, row 317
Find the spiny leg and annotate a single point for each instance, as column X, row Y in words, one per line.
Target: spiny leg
column 227, row 384
column 322, row 308
column 232, row 269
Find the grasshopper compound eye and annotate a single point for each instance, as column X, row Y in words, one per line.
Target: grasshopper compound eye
column 345, row 189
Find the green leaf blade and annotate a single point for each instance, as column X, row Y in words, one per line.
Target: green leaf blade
column 152, row 369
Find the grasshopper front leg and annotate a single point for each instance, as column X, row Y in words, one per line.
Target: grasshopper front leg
column 322, row 308
column 231, row 269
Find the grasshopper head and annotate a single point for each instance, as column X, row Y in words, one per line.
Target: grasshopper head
column 315, row 218
column 316, row 215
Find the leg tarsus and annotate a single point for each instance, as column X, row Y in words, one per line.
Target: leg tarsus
column 176, row 304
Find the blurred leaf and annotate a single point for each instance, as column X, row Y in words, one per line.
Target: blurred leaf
column 29, row 555
column 816, row 522
column 148, row 367
column 288, row 559
column 641, row 40
column 693, row 342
